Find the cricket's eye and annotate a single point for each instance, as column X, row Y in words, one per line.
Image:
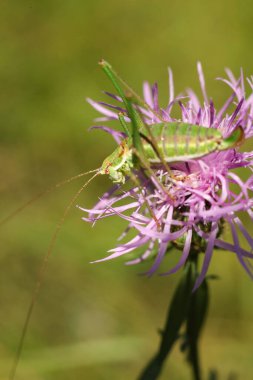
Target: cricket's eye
column 107, row 168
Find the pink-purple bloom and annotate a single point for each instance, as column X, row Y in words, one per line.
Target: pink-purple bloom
column 189, row 211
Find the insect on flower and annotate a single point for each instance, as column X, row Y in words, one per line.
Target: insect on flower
column 180, row 175
column 183, row 195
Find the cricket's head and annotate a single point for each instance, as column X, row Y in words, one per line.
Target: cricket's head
column 234, row 140
column 119, row 164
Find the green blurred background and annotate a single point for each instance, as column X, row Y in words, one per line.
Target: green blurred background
column 100, row 321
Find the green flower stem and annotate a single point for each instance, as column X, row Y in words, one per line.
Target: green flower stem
column 194, row 361
column 187, row 309
column 195, row 319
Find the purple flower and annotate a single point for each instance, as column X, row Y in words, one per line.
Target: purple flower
column 188, row 211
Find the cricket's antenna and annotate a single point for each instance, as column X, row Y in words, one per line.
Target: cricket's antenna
column 41, row 275
column 38, row 196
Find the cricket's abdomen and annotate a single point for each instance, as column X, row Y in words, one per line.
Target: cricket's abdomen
column 181, row 141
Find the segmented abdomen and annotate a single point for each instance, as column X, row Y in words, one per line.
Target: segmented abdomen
column 180, row 141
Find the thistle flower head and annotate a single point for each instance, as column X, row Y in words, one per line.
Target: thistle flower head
column 187, row 206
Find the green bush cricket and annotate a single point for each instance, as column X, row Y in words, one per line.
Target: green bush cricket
column 159, row 143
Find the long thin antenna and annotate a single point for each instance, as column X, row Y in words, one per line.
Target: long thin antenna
column 41, row 276
column 41, row 194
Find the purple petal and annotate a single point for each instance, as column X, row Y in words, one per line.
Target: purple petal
column 117, row 108
column 224, row 108
column 193, row 99
column 211, row 113
column 163, row 246
column 235, row 113
column 171, row 86
column 142, row 257
column 118, row 136
column 155, row 97
column 230, row 247
column 113, row 96
column 244, row 231
column 184, row 256
column 238, row 249
column 208, row 256
column 102, row 109
column 202, row 81
column 147, row 92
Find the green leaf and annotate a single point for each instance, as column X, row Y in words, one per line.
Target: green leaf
column 197, row 311
column 178, row 310
column 213, row 375
column 195, row 320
